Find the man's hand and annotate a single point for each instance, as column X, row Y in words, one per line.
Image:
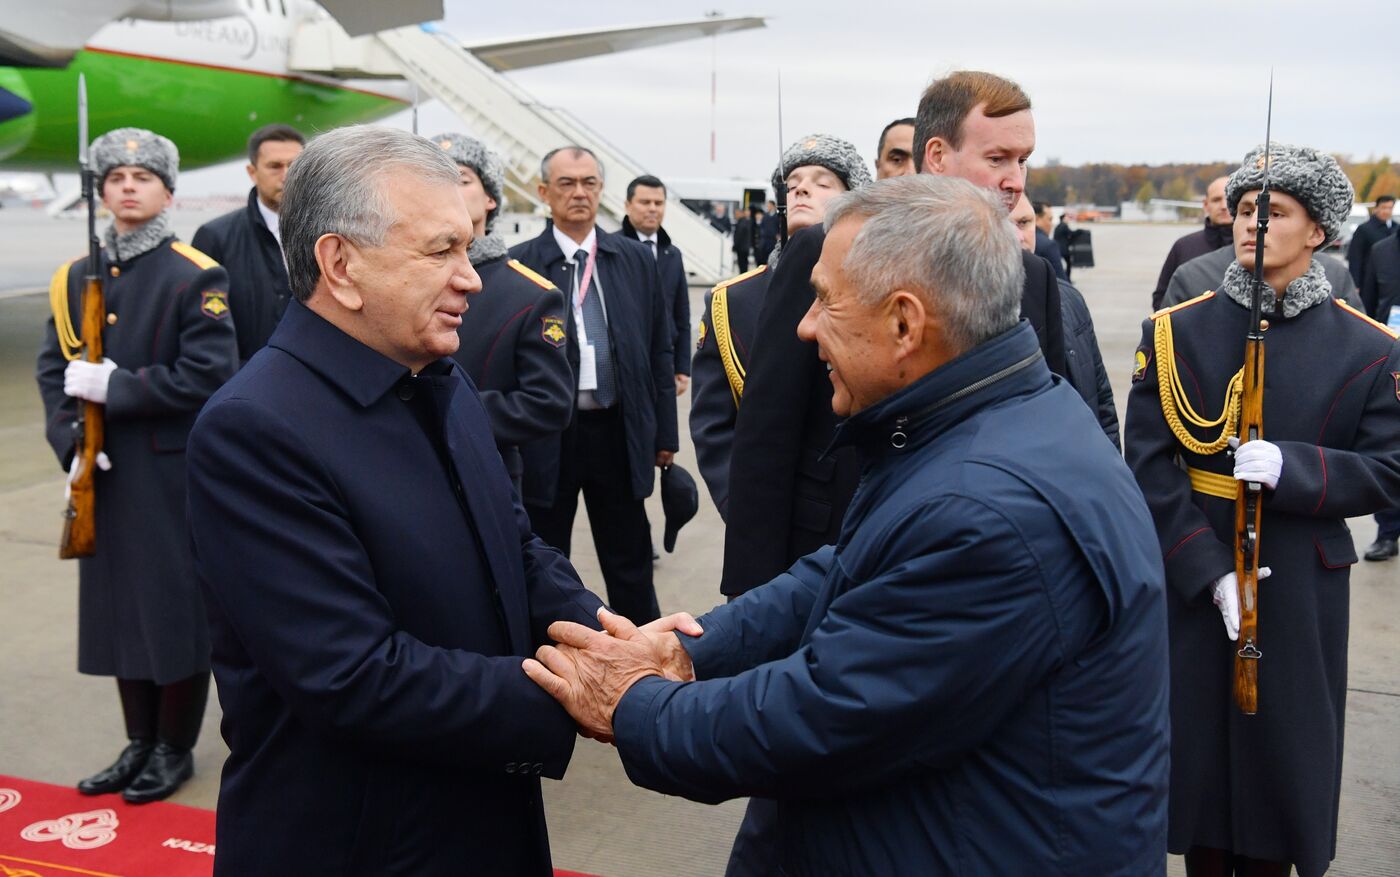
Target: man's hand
column 88, row 380
column 589, row 672
column 682, row 384
column 1257, row 460
column 1225, row 593
column 664, row 458
column 674, row 659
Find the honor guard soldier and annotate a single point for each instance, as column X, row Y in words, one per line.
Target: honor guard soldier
column 513, row 333
column 169, row 344
column 1254, row 793
column 815, row 169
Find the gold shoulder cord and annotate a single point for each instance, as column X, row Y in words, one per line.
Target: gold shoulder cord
column 69, row 344
column 719, row 321
column 1176, row 405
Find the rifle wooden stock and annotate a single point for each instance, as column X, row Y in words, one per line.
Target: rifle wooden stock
column 80, row 518
column 1247, row 515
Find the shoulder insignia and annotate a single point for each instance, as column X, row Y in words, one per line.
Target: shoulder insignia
column 530, row 275
column 745, row 276
column 1355, row 313
column 214, row 304
column 552, row 331
column 1208, row 294
column 193, row 255
column 1141, row 358
column 699, row 345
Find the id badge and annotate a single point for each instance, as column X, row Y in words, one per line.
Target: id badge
column 587, row 368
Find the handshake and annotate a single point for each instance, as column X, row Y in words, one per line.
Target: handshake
column 589, row 671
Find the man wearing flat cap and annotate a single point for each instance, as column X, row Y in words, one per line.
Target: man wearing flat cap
column 1254, row 794
column 168, row 343
column 815, row 169
column 513, row 333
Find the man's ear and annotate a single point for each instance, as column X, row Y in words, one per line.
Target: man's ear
column 251, row 171
column 335, row 257
column 908, row 321
column 936, row 151
column 1317, row 237
column 542, row 189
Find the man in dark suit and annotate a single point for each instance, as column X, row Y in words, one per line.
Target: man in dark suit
column 247, row 242
column 646, row 210
column 787, row 495
column 1380, row 292
column 1369, row 233
column 625, row 407
column 1045, row 246
column 371, row 579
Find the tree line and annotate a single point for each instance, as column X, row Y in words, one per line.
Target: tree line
column 1110, row 184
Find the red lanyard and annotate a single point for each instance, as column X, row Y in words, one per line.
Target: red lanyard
column 587, row 273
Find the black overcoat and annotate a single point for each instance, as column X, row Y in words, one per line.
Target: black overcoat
column 372, row 584
column 513, row 337
column 639, row 331
column 675, row 291
column 1380, row 288
column 1267, row 785
column 170, row 333
column 258, row 288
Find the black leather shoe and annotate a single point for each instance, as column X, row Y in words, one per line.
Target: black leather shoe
column 122, row 771
column 165, row 772
column 1382, row 549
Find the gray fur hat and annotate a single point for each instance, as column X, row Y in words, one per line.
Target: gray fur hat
column 484, row 163
column 136, row 147
column 832, row 153
column 1313, row 177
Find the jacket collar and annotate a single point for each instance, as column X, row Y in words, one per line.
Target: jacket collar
column 1219, row 235
column 1008, row 365
column 254, row 214
column 360, row 372
column 663, row 240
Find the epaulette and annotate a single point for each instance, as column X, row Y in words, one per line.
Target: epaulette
column 1355, row 313
column 745, row 276
column 195, row 256
column 1208, row 294
column 530, row 275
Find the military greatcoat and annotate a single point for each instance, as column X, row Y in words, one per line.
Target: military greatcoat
column 1266, row 785
column 168, row 329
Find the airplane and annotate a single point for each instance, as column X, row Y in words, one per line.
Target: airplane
column 207, row 73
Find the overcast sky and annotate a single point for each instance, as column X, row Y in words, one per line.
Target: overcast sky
column 1110, row 81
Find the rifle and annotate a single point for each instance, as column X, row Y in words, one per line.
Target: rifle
column 1251, row 427
column 780, row 187
column 79, row 519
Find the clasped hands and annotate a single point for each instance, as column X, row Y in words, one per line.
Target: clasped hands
column 589, row 671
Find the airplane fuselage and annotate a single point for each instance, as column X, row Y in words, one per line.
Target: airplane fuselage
column 204, row 84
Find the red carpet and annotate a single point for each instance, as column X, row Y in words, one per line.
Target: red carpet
column 52, row 831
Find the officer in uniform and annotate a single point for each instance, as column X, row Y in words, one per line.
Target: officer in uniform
column 829, row 166
column 170, row 343
column 513, row 333
column 1253, row 793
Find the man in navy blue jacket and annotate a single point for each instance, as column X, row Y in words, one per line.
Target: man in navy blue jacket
column 619, row 346
column 371, row 579
column 972, row 679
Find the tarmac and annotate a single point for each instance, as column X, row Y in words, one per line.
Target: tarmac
column 58, row 726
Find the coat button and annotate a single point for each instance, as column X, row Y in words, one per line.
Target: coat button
column 116, row 272
column 1263, row 325
column 405, row 391
column 111, row 319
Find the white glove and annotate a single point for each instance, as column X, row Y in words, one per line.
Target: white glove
column 1226, row 596
column 103, row 462
column 88, row 380
column 1259, row 461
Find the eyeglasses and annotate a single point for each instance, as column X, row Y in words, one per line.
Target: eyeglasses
column 589, row 184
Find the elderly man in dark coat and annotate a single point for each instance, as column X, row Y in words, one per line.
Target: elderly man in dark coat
column 1217, row 234
column 972, row 680
column 372, row 579
column 168, row 344
column 1258, row 792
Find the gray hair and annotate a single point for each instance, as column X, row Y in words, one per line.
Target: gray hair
column 944, row 238
column 334, row 187
column 574, row 151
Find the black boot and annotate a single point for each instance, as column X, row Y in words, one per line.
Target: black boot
column 1382, row 549
column 164, row 774
column 122, row 771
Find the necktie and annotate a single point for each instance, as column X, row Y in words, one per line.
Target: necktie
column 595, row 324
column 652, row 245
